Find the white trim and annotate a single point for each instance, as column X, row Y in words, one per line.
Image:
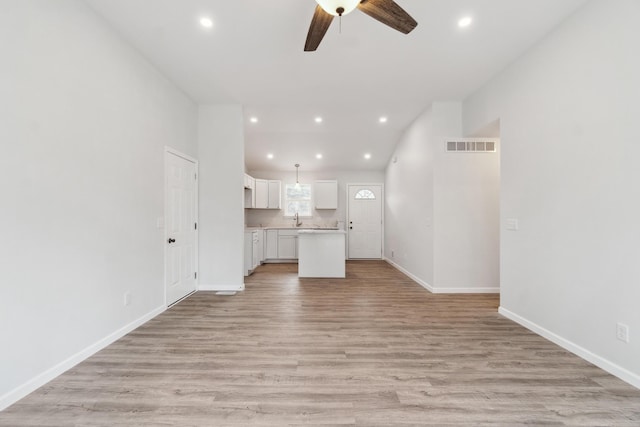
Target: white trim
column 169, row 150
column 41, row 379
column 346, row 222
column 410, row 275
column 582, row 352
column 220, row 287
column 479, row 290
column 441, row 290
column 175, row 152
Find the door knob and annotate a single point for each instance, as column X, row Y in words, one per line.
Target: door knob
column 171, row 240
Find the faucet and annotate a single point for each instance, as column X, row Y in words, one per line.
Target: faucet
column 296, row 220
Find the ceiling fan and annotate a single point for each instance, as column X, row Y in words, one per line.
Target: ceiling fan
column 386, row 11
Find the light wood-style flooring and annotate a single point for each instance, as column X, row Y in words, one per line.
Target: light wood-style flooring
column 375, row 349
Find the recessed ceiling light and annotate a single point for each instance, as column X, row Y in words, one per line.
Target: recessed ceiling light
column 367, row 156
column 464, row 22
column 206, row 22
column 382, row 119
column 318, row 156
column 269, row 156
column 318, row 119
column 253, row 120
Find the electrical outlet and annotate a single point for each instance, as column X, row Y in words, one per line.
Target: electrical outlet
column 127, row 298
column 622, row 332
column 393, row 254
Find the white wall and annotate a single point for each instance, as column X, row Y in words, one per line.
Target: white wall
column 323, row 217
column 568, row 114
column 221, row 210
column 409, row 201
column 83, row 124
column 442, row 210
column 466, row 210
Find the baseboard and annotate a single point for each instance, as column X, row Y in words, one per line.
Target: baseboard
column 30, row 386
column 441, row 290
column 610, row 367
column 486, row 290
column 280, row 261
column 410, row 275
column 224, row 287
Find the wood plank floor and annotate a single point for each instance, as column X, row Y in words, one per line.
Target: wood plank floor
column 373, row 350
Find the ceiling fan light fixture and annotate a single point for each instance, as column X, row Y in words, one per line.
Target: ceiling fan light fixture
column 333, row 6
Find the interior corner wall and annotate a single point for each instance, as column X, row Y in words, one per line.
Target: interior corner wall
column 408, row 216
column 466, row 211
column 84, row 120
column 442, row 209
column 221, row 203
column 568, row 113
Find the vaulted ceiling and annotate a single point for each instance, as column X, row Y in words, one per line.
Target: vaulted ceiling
column 253, row 55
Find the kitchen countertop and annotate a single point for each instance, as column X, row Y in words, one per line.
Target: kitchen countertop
column 322, row 231
column 292, row 228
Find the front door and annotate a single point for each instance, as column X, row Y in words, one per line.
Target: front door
column 364, row 221
column 181, row 228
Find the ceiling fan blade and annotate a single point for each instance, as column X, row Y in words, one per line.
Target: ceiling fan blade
column 389, row 13
column 319, row 25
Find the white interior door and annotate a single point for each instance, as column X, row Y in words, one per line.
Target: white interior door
column 181, row 228
column 364, row 221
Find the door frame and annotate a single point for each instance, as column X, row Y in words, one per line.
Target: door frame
column 346, row 222
column 168, row 151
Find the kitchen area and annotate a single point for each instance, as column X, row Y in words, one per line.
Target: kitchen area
column 297, row 222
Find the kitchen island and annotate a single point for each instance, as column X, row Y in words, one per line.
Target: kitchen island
column 321, row 253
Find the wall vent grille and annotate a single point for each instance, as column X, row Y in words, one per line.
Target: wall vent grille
column 465, row 145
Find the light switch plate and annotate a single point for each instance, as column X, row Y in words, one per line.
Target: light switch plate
column 512, row 224
column 160, row 222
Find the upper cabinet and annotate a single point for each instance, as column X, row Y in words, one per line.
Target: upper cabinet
column 249, row 182
column 274, row 194
column 249, row 191
column 267, row 194
column 326, row 194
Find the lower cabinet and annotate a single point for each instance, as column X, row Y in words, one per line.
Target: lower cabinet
column 287, row 247
column 271, row 244
column 251, row 252
column 259, row 247
column 281, row 245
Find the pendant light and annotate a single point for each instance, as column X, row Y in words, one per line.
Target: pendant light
column 297, row 165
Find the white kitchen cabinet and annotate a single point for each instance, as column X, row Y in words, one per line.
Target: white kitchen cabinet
column 249, row 198
column 287, row 247
column 251, row 252
column 274, row 194
column 267, row 194
column 287, row 244
column 271, row 244
column 261, row 194
column 249, row 182
column 281, row 245
column 326, row 194
column 249, row 191
column 260, row 248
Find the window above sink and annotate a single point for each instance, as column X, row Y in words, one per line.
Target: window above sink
column 297, row 198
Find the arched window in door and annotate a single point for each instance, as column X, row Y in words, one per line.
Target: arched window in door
column 365, row 195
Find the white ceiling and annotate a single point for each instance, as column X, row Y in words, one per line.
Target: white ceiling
column 254, row 56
